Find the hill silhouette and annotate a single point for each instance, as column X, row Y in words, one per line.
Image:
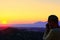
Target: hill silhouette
column 19, row 34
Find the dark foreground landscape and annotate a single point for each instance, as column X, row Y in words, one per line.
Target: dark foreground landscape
column 20, row 34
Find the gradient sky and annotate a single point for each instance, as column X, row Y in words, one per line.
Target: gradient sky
column 27, row 11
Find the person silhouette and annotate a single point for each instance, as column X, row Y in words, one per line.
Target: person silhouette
column 50, row 26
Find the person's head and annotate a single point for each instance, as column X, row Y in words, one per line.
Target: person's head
column 53, row 21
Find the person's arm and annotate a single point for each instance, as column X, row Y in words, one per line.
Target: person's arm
column 44, row 35
column 49, row 35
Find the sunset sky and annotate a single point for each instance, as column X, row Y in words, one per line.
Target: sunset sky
column 27, row 11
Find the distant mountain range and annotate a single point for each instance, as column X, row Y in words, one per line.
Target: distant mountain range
column 36, row 24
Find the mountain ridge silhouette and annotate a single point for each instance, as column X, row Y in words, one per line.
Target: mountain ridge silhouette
column 36, row 24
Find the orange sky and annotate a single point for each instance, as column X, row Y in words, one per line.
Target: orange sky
column 27, row 11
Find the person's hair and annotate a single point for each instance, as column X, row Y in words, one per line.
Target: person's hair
column 53, row 18
column 47, row 28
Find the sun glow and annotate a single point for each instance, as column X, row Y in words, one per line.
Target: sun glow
column 3, row 25
column 4, row 22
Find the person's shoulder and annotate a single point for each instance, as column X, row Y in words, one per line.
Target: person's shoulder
column 56, row 30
